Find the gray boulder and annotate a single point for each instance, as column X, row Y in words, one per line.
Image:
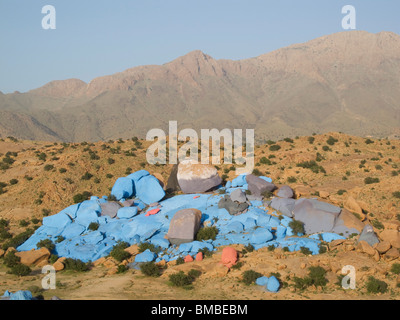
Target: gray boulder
column 285, row 192
column 184, row 226
column 258, row 186
column 283, row 205
column 110, row 209
column 317, row 216
column 172, row 184
column 234, row 208
column 368, row 235
column 238, row 195
column 197, row 178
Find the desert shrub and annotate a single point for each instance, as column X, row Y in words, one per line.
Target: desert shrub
column 80, row 197
column 180, row 279
column 305, row 251
column 288, row 140
column 312, row 165
column 370, row 180
column 149, row 246
column 395, row 268
column 257, row 172
column 20, row 270
column 285, row 249
column 396, row 194
column 62, row 170
column 369, row 141
column 76, row 265
column 311, row 140
column 194, row 273
column 46, row 243
column 206, row 252
column 4, row 234
column 271, row 247
column 250, row 276
column 322, row 249
column 264, row 160
column 326, row 148
column 331, row 141
column 35, row 220
column 316, row 277
column 296, row 226
column 86, row 176
column 13, row 182
column 118, row 252
column 267, row 194
column 48, row 167
column 93, row 226
column 53, row 258
column 11, row 260
column 274, row 147
column 42, row 156
column 377, row 224
column 376, row 286
column 341, row 192
column 207, row 233
column 122, row 269
column 23, row 223
column 17, row 240
column 179, row 261
column 248, row 248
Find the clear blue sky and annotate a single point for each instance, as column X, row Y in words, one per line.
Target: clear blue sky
column 99, row 37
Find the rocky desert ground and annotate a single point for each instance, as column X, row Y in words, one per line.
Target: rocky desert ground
column 358, row 174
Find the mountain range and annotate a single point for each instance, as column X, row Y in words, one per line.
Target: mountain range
column 347, row 82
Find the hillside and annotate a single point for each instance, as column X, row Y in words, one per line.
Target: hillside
column 44, row 178
column 345, row 82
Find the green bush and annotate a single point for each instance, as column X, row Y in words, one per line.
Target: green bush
column 250, row 276
column 48, row 167
column 395, row 268
column 122, row 269
column 62, row 170
column 376, row 286
column 331, row 141
column 305, row 251
column 20, row 270
column 396, row 194
column 76, row 265
column 194, row 274
column 179, row 261
column 370, row 180
column 17, row 240
column 292, row 180
column 46, row 243
column 311, row 140
column 149, row 246
column 13, row 182
column 80, row 197
column 11, row 260
column 118, row 252
column 180, row 279
column 87, row 176
column 296, row 226
column 93, row 226
column 207, row 233
column 274, row 147
column 316, row 277
column 23, row 223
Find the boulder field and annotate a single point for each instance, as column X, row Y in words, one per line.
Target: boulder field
column 141, row 213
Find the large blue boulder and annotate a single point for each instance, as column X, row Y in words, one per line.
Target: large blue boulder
column 273, row 284
column 239, row 181
column 21, row 295
column 127, row 212
column 73, row 230
column 146, row 256
column 261, row 235
column 86, row 217
column 59, row 221
column 123, row 188
column 149, row 190
column 262, row 281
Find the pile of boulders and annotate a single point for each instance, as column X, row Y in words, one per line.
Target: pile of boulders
column 140, row 213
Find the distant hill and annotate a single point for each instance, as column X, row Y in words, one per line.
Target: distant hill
column 348, row 82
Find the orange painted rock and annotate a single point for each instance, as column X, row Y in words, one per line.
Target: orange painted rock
column 199, row 256
column 229, row 257
column 188, row 258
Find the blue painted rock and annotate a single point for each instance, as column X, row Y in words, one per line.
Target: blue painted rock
column 197, row 178
column 273, row 284
column 123, row 188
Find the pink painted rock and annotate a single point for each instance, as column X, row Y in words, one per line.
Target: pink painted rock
column 188, row 258
column 199, row 256
column 152, row 212
column 229, row 257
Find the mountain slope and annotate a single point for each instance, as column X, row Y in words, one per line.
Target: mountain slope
column 347, row 82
